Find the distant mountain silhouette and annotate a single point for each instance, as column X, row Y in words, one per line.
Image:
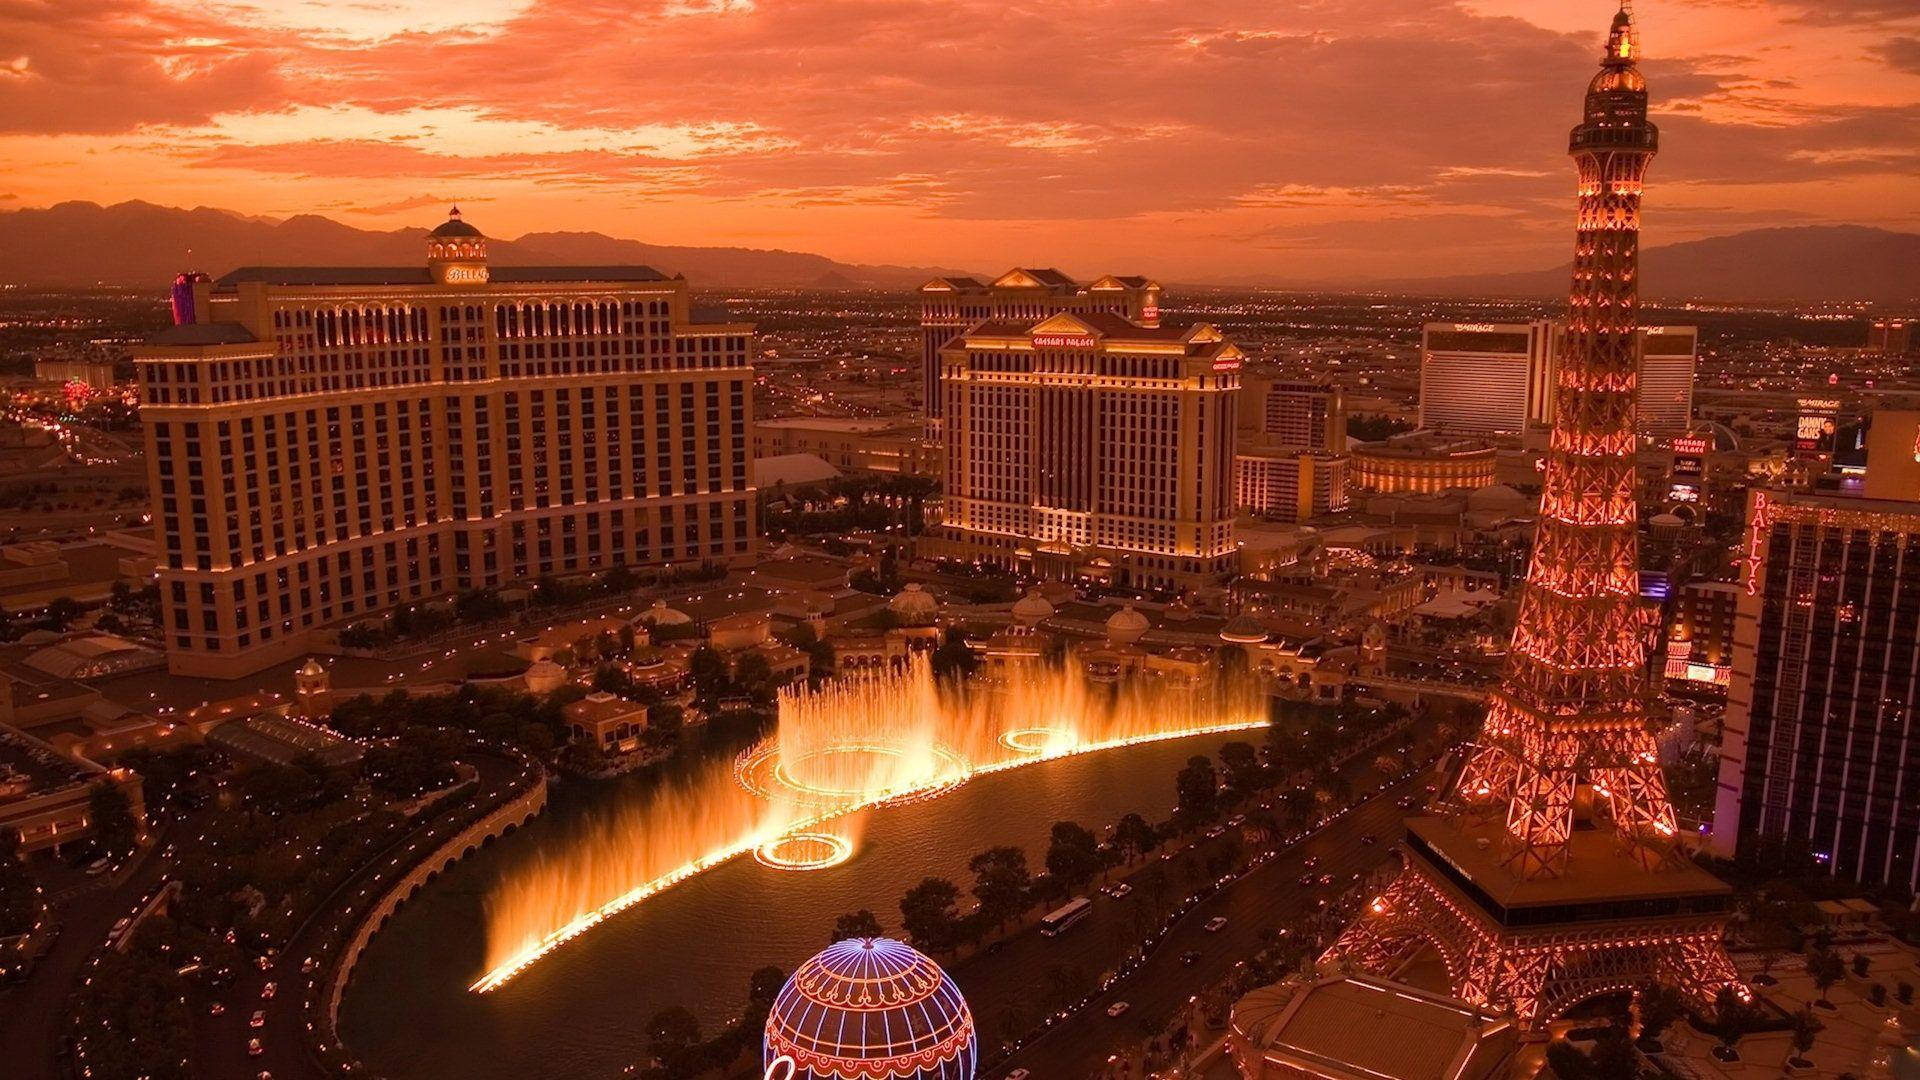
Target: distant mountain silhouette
column 138, row 243
column 1811, row 262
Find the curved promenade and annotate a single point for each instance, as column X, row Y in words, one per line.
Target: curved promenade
column 525, row 796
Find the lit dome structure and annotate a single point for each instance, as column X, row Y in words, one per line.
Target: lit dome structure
column 1126, row 626
column 1033, row 608
column 871, row 1009
column 914, row 605
column 662, row 615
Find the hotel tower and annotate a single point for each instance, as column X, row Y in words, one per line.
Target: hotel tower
column 949, row 305
column 1551, row 872
column 326, row 444
column 1090, row 446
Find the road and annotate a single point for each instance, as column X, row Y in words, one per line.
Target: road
column 36, row 1010
column 1268, row 898
column 220, row 1042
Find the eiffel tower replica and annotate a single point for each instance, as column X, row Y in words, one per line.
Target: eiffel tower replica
column 1549, row 874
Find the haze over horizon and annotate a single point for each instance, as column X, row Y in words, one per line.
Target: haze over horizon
column 1201, row 141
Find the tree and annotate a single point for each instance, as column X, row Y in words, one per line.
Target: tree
column 1199, row 790
column 673, row 1037
column 1732, row 1016
column 19, row 899
column 953, row 659
column 1073, row 854
column 1660, row 1005
column 1134, row 836
column 928, row 914
column 711, row 679
column 1805, row 1028
column 763, row 986
column 114, row 827
column 857, row 924
column 1001, row 883
column 1241, row 763
column 61, row 612
column 1825, row 968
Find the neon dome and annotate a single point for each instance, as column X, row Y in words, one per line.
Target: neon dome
column 870, row 1009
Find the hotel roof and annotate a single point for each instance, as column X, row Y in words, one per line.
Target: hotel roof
column 216, row 333
column 1360, row 1027
column 419, row 275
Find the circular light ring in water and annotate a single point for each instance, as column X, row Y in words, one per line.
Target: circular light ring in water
column 764, row 772
column 804, row 851
column 1038, row 740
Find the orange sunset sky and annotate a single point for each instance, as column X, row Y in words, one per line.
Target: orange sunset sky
column 1307, row 140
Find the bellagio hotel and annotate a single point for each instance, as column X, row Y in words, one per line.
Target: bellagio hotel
column 326, row 444
column 1088, row 445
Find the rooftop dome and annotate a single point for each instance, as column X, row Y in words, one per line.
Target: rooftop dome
column 311, row 668
column 871, row 1009
column 1033, row 608
column 453, row 226
column 1126, row 626
column 662, row 615
column 914, row 604
column 1243, row 630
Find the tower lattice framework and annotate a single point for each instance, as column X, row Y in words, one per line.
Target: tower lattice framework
column 1572, row 706
column 1515, row 921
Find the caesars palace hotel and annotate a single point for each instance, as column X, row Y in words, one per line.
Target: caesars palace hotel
column 328, row 443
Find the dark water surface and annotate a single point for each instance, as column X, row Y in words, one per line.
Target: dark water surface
column 581, row 1012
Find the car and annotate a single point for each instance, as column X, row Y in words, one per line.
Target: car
column 1190, row 957
column 1122, row 890
column 99, row 866
column 1216, row 924
column 1306, row 881
column 121, row 926
column 254, row 1049
column 1118, row 1009
column 1369, row 839
column 307, row 965
column 217, row 1009
column 263, row 1075
column 1325, row 879
column 1312, row 861
column 264, row 963
column 1406, row 802
column 1236, row 821
column 1216, row 832
column 259, row 1019
column 267, row 990
column 1019, row 1074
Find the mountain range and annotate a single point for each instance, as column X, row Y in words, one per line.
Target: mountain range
column 138, row 243
column 1804, row 263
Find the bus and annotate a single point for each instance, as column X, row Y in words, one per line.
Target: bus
column 1066, row 915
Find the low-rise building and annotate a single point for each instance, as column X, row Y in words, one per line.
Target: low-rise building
column 612, row 723
column 1422, row 462
column 1360, row 1027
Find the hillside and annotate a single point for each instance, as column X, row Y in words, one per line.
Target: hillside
column 137, row 243
column 1805, row 263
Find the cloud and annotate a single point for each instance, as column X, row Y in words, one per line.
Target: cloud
column 1901, row 53
column 892, row 127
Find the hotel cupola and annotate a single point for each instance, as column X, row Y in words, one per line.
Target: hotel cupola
column 457, row 252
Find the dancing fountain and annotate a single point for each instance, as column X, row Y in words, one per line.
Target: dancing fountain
column 795, row 801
